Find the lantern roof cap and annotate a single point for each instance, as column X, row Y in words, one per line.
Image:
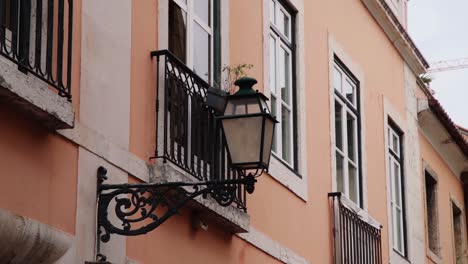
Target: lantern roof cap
column 245, row 86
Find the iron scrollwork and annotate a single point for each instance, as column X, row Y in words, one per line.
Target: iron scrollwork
column 141, row 208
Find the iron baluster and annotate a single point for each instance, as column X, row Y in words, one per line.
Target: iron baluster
column 21, row 39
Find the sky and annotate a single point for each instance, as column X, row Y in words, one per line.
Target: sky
column 440, row 30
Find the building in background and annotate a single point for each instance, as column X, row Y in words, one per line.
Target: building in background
column 366, row 167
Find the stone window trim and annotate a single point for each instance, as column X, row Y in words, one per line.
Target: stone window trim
column 434, row 256
column 295, row 180
column 337, row 50
column 391, row 115
column 455, row 204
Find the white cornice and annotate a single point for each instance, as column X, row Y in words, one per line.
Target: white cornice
column 397, row 35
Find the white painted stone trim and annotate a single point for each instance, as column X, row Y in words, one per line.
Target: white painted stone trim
column 334, row 48
column 278, row 171
column 102, row 147
column 397, row 39
column 24, row 239
column 35, row 92
column 272, row 247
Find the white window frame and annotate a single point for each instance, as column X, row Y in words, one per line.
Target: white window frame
column 396, row 181
column 345, row 110
column 275, row 94
column 192, row 18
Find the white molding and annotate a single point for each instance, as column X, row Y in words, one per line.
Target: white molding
column 278, row 171
column 403, row 46
column 272, row 247
column 113, row 153
column 334, row 48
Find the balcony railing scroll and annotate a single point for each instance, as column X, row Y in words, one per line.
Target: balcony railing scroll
column 37, row 36
column 355, row 240
column 188, row 135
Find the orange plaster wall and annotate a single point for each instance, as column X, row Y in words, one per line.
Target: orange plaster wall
column 39, row 171
column 192, row 245
column 303, row 227
column 143, row 79
column 449, row 186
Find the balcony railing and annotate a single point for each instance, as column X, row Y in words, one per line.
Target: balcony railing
column 355, row 240
column 188, row 134
column 37, row 36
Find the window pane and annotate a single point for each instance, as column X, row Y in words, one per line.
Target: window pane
column 272, row 12
column 286, row 133
column 351, row 132
column 273, row 113
column 201, row 54
column 272, row 65
column 284, row 76
column 337, row 79
column 177, row 31
column 397, row 186
column 285, row 24
column 348, row 90
column 338, row 126
column 399, row 226
column 395, row 144
column 339, row 173
column 202, row 10
column 353, row 184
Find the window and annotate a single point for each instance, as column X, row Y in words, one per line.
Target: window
column 397, row 197
column 281, row 43
column 193, row 32
column 457, row 224
column 432, row 217
column 347, row 137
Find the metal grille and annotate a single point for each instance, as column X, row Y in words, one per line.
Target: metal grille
column 355, row 240
column 37, row 36
column 191, row 136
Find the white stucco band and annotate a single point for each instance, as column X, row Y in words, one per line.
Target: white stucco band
column 23, row 240
column 34, row 97
column 271, row 247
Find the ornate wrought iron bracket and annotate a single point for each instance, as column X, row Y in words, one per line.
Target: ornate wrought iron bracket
column 136, row 209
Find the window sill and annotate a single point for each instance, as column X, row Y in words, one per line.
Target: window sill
column 288, row 177
column 233, row 219
column 398, row 258
column 434, row 257
column 34, row 97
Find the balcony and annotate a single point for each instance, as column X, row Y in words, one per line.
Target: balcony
column 36, row 50
column 190, row 142
column 356, row 239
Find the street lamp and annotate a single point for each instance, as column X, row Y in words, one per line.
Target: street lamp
column 248, row 129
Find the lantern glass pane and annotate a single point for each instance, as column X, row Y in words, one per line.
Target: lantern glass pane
column 243, row 137
column 242, row 106
column 268, row 139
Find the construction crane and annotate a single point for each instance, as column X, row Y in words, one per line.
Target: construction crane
column 448, row 65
